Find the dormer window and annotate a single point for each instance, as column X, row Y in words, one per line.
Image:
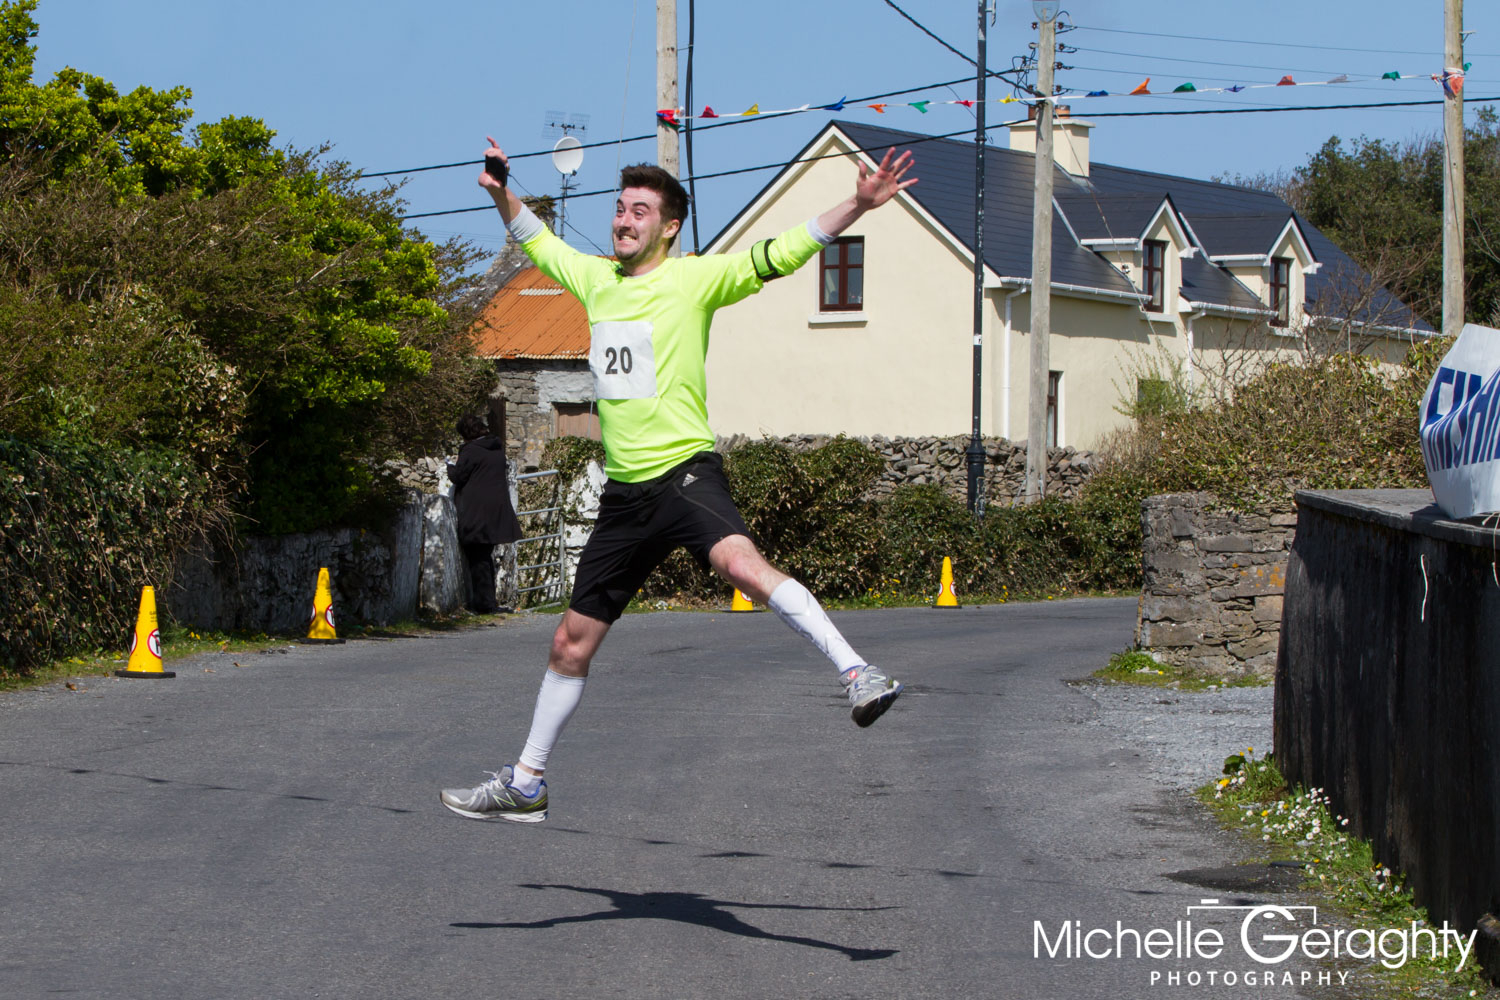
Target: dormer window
column 1281, row 291
column 1154, row 271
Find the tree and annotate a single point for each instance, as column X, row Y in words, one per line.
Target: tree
column 332, row 336
column 1382, row 202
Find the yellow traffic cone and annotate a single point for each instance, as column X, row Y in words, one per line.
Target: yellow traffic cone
column 145, row 644
column 322, row 630
column 740, row 603
column 946, row 597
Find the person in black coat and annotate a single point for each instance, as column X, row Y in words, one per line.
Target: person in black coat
column 485, row 515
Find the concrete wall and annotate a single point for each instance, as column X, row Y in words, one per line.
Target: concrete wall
column 1388, row 690
column 1211, row 591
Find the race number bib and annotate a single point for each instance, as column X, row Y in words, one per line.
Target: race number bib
column 622, row 360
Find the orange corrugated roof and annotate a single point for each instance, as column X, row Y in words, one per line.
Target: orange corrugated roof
column 532, row 317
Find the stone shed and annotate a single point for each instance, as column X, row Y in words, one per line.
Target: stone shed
column 537, row 337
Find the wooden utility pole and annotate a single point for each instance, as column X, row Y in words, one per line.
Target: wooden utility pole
column 666, row 84
column 1041, row 263
column 1453, row 174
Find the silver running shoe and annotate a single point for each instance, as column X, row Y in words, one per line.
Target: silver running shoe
column 497, row 798
column 871, row 692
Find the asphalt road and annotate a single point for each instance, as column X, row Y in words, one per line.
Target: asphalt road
column 268, row 825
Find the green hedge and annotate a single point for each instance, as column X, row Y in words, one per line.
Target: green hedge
column 809, row 513
column 82, row 529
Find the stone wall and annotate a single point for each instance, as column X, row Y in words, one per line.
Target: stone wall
column 1211, row 595
column 266, row 584
column 1387, row 694
column 943, row 460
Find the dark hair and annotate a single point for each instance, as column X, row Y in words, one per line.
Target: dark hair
column 471, row 427
column 674, row 197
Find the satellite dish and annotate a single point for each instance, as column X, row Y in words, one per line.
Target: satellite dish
column 567, row 155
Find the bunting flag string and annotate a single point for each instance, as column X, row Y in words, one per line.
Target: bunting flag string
column 1451, row 79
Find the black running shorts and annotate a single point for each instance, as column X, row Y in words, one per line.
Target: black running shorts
column 640, row 524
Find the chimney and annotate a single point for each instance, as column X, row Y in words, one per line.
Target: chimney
column 1070, row 139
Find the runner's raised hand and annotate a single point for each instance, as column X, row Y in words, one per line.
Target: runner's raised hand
column 875, row 189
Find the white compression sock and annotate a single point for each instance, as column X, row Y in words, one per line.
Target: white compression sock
column 796, row 606
column 555, row 703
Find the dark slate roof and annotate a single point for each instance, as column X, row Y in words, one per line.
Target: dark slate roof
column 1107, row 216
column 1239, row 234
column 1117, row 202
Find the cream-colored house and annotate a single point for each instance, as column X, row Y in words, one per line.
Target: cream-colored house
column 1149, row 272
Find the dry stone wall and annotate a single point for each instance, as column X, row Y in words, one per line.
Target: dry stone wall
column 1211, row 595
column 944, row 461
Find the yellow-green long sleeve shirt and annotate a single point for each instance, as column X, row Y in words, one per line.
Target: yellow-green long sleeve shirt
column 648, row 342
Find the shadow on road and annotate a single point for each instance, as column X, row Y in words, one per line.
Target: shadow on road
column 690, row 908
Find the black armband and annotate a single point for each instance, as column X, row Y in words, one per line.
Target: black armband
column 760, row 258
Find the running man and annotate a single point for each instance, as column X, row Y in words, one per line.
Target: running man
column 649, row 315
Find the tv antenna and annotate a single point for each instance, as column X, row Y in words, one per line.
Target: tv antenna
column 567, row 154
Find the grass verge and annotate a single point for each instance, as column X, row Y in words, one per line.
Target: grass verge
column 1297, row 825
column 1134, row 666
column 179, row 643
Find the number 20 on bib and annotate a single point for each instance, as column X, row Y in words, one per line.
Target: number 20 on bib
column 622, row 360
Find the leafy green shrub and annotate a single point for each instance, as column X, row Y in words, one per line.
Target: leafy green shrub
column 1333, row 422
column 254, row 308
column 82, row 528
column 806, row 511
column 921, row 524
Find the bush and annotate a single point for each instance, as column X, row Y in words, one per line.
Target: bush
column 806, row 511
column 82, row 528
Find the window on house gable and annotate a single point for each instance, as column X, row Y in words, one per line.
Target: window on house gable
column 1281, row 289
column 1154, row 269
column 842, row 275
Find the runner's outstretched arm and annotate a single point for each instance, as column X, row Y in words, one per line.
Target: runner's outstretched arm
column 871, row 191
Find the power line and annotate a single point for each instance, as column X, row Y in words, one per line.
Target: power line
column 1205, row 62
column 1307, row 107
column 1282, row 45
column 915, row 140
column 923, row 29
column 737, row 120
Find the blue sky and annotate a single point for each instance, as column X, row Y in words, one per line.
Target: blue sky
column 396, row 85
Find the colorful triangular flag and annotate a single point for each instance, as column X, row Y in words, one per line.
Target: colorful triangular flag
column 754, row 109
column 920, row 105
column 1236, row 88
column 1452, row 81
column 1341, row 78
column 1141, row 88
column 1393, row 75
column 1097, row 93
column 708, row 112
column 1286, row 81
column 668, row 116
column 879, row 108
column 967, row 104
column 1185, row 88
column 837, row 105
